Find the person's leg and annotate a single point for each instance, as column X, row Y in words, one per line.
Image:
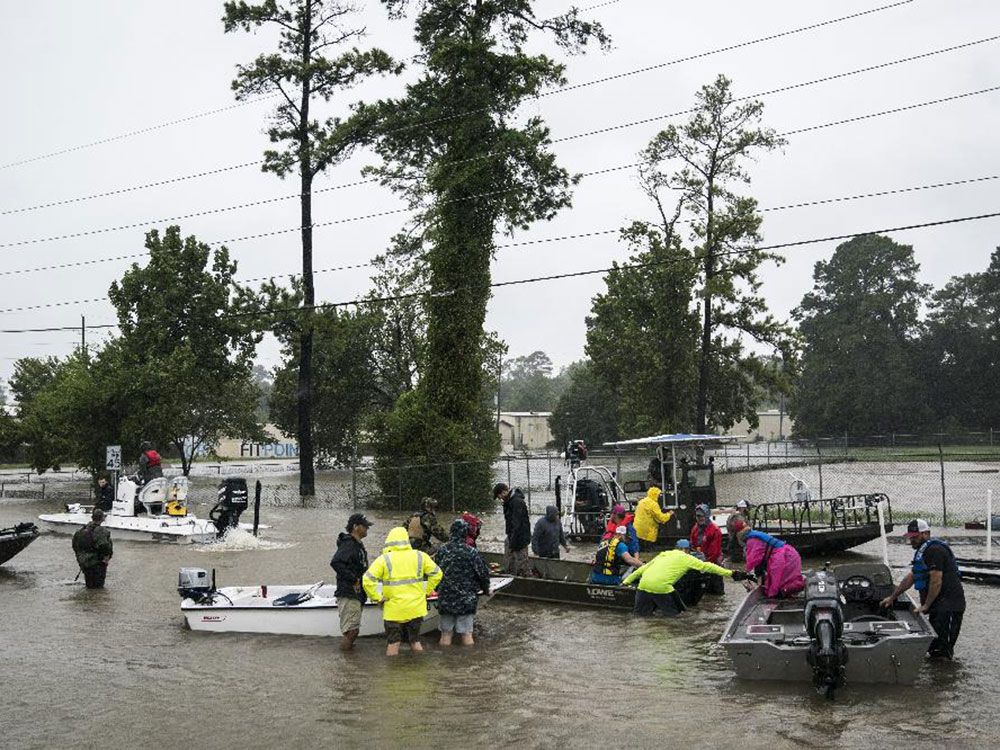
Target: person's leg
column 522, row 564
column 94, row 576
column 645, row 606
column 509, row 564
column 447, row 627
column 955, row 627
column 393, row 635
column 947, row 626
column 349, row 610
column 668, row 605
column 413, row 635
column 714, row 585
column 463, row 627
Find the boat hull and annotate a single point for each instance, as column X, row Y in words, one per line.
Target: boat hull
column 169, row 529
column 563, row 582
column 15, row 540
column 244, row 609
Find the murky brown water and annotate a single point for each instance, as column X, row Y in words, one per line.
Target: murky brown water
column 116, row 668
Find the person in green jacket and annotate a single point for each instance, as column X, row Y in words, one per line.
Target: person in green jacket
column 93, row 548
column 656, row 579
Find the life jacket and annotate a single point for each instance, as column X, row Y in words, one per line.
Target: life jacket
column 607, row 562
column 921, row 574
column 153, row 457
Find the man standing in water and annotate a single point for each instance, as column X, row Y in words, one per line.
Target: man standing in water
column 93, row 548
column 517, row 524
column 934, row 574
column 465, row 575
column 350, row 561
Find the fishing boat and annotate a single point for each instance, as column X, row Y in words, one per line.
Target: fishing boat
column 971, row 569
column 15, row 539
column 833, row 633
column 282, row 610
column 162, row 516
column 562, row 582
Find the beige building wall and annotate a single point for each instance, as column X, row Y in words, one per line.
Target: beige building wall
column 772, row 426
column 525, row 430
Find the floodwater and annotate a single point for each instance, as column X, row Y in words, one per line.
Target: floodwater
column 117, row 668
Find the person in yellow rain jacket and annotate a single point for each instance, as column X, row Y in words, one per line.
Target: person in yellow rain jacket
column 648, row 518
column 656, row 579
column 400, row 579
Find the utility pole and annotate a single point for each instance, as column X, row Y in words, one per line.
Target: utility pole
column 83, row 334
column 499, row 377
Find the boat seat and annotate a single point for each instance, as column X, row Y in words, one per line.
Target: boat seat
column 786, row 616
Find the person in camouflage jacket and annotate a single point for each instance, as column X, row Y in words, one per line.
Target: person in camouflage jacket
column 465, row 575
column 93, row 548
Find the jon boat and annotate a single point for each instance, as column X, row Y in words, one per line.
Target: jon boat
column 562, row 582
column 166, row 517
column 970, row 569
column 833, row 632
column 15, row 539
column 282, row 610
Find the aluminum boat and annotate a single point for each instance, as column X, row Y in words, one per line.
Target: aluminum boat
column 15, row 539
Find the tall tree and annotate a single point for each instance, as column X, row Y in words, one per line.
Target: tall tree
column 711, row 151
column 451, row 147
column 584, row 410
column 860, row 329
column 188, row 337
column 527, row 383
column 301, row 74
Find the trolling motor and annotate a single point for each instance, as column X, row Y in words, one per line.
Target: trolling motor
column 194, row 584
column 825, row 626
column 233, row 499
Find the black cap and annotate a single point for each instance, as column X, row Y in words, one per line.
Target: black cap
column 358, row 519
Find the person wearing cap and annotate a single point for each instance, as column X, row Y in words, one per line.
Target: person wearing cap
column 94, row 549
column 423, row 527
column 934, row 574
column 648, row 517
column 621, row 517
column 517, row 526
column 657, row 580
column 694, row 584
column 611, row 559
column 706, row 539
column 350, row 562
column 548, row 535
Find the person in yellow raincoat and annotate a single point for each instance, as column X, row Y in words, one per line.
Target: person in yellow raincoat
column 400, row 579
column 648, row 517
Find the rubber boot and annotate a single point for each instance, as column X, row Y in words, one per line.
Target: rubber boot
column 347, row 640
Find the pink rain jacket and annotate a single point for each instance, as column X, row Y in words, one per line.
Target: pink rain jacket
column 784, row 568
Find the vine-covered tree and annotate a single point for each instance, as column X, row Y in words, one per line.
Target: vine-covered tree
column 301, row 74
column 860, row 331
column 452, row 148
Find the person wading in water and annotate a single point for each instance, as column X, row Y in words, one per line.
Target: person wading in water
column 93, row 548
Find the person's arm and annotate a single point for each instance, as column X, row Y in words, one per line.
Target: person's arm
column 933, row 589
column 901, row 587
column 707, row 567
column 631, row 559
column 755, row 551
column 562, row 538
column 107, row 547
column 661, row 516
column 438, row 532
column 482, row 573
column 372, row 577
column 635, row 575
column 536, row 535
column 339, row 563
column 432, row 572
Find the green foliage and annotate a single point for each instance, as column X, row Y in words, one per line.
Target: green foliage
column 712, row 149
column 860, row 327
column 451, row 148
column 528, row 384
column 584, row 411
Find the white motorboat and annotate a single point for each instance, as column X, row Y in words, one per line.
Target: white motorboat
column 834, row 632
column 282, row 610
column 164, row 515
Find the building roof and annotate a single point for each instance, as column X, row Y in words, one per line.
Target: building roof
column 525, row 414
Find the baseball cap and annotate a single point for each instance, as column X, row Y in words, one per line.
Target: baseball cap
column 683, row 544
column 742, row 504
column 358, row 519
column 916, row 527
column 621, row 530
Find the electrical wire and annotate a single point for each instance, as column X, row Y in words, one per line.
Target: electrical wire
column 539, row 279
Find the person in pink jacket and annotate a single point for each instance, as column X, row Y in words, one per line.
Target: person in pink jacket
column 777, row 561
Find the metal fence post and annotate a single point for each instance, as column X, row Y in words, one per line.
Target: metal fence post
column 944, row 503
column 43, row 490
column 748, row 456
column 548, row 487
column 527, row 469
column 769, row 454
column 452, row 486
column 354, row 487
column 508, row 472
column 819, row 453
column 400, row 487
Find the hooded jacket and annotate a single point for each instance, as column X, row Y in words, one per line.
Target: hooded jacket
column 516, row 521
column 659, row 575
column 781, row 561
column 548, row 534
column 350, row 562
column 707, row 539
column 465, row 573
column 649, row 516
column 402, row 577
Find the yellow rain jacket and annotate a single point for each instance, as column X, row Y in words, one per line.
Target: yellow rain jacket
column 406, row 577
column 659, row 575
column 648, row 516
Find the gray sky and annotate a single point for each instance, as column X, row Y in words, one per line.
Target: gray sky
column 79, row 72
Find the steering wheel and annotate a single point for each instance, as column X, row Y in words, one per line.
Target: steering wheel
column 858, row 588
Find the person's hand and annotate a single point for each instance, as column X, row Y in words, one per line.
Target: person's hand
column 741, row 575
column 887, row 602
column 921, row 610
column 566, row 547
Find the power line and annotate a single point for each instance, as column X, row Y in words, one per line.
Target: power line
column 611, row 128
column 553, row 277
column 562, row 89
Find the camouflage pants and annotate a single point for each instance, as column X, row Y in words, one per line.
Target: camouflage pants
column 516, row 562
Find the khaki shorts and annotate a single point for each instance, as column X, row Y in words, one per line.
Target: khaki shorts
column 405, row 632
column 349, row 609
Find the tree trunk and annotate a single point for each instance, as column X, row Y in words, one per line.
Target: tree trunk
column 307, row 476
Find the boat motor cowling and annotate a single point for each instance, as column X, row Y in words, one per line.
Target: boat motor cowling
column 824, row 621
column 233, row 499
column 194, row 584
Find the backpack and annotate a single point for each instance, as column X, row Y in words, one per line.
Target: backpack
column 415, row 526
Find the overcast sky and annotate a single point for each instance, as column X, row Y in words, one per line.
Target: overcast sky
column 80, row 72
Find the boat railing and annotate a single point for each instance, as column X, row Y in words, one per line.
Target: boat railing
column 827, row 514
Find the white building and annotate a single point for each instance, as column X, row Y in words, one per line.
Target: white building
column 525, row 430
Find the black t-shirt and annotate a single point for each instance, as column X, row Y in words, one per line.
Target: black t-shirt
column 951, row 598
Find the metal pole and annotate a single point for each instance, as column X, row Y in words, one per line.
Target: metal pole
column 548, row 487
column 881, row 531
column 944, row 503
column 769, row 454
column 354, row 483
column 989, row 524
column 83, row 334
column 256, row 506
column 819, row 453
column 748, row 456
column 452, row 486
column 508, row 472
column 527, row 467
column 400, row 487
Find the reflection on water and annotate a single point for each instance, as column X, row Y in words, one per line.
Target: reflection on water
column 116, row 668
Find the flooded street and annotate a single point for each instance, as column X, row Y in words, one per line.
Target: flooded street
column 117, row 668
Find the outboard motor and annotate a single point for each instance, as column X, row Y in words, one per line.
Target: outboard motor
column 825, row 625
column 194, row 584
column 234, row 497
